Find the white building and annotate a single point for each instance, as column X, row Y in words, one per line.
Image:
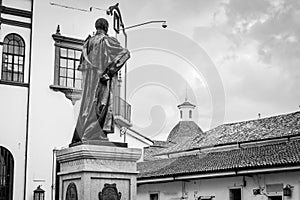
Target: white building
column 248, row 160
column 39, row 86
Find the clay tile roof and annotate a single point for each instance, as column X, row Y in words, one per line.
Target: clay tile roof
column 187, row 135
column 159, row 143
column 156, row 148
column 281, row 154
column 184, row 129
column 150, row 167
column 181, row 136
column 266, row 128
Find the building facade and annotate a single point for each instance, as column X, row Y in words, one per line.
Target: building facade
column 40, row 90
column 248, row 160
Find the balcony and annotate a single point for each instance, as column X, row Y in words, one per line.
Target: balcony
column 122, row 112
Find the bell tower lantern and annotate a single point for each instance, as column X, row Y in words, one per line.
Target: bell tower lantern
column 186, row 111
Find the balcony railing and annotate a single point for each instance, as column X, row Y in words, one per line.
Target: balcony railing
column 122, row 109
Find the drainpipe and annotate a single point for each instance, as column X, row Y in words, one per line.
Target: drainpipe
column 53, row 186
column 28, row 107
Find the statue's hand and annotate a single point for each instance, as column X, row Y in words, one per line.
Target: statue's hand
column 104, row 78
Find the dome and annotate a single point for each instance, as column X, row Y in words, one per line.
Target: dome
column 184, row 130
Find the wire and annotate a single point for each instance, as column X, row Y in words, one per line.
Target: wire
column 102, row 9
column 69, row 7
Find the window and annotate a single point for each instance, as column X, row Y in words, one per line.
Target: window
column 68, row 61
column 67, row 58
column 13, row 55
column 190, row 114
column 274, row 191
column 235, row 194
column 67, row 79
column 6, row 174
column 181, row 114
column 154, row 196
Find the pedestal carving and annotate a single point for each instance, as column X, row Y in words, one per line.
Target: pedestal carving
column 110, row 192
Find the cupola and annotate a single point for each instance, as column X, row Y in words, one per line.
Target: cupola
column 186, row 111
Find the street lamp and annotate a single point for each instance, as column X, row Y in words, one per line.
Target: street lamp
column 39, row 193
column 119, row 26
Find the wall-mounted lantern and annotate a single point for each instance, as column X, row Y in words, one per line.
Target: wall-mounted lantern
column 38, row 193
column 287, row 190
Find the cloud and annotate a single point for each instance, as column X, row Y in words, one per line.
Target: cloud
column 256, row 47
column 274, row 25
column 254, row 44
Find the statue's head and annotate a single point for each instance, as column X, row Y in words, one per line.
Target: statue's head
column 101, row 24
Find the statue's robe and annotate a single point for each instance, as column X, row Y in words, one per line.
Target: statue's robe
column 102, row 56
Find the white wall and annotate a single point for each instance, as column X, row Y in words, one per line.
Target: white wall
column 219, row 187
column 185, row 113
column 13, row 103
column 13, row 125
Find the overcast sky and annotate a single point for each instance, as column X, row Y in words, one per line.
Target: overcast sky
column 234, row 59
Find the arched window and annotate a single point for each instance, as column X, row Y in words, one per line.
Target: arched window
column 13, row 54
column 190, row 114
column 6, row 174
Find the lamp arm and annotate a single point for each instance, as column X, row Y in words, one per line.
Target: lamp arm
column 141, row 24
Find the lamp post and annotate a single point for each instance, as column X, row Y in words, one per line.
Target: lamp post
column 119, row 26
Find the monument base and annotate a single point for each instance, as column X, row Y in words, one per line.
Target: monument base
column 100, row 143
column 91, row 172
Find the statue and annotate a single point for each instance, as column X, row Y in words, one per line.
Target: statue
column 102, row 57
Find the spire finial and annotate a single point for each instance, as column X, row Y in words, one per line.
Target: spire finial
column 58, row 30
column 186, row 93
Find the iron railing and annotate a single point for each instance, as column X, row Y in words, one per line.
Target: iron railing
column 122, row 108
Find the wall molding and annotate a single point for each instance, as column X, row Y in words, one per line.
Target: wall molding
column 15, row 12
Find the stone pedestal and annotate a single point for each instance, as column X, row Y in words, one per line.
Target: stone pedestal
column 85, row 169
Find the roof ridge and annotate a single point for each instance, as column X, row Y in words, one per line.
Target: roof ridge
column 256, row 120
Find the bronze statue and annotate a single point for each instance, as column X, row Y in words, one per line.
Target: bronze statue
column 102, row 57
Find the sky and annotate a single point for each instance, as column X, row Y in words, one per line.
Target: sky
column 233, row 59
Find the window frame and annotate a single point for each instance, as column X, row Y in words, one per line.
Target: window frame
column 274, row 190
column 235, row 188
column 11, row 57
column 154, row 193
column 75, row 44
